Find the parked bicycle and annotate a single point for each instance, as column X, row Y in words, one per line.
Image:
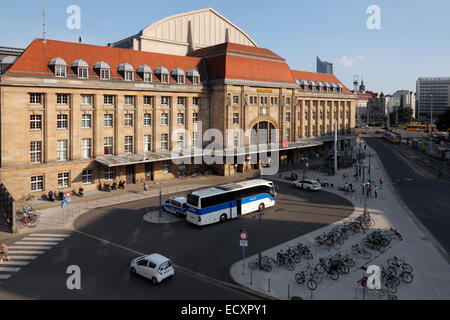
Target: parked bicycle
column 284, row 258
column 303, row 278
column 265, row 265
column 357, row 250
column 27, row 217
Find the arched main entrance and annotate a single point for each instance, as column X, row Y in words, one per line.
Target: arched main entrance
column 263, row 133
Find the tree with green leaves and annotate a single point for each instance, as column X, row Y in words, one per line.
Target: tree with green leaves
column 403, row 115
column 443, row 124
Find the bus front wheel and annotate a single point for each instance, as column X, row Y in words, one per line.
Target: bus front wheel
column 223, row 218
column 261, row 207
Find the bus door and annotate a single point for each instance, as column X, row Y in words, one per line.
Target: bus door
column 239, row 207
column 233, row 209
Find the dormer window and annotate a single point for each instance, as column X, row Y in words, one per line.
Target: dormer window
column 178, row 75
column 194, row 76
column 83, row 73
column 163, row 74
column 127, row 71
column 103, row 69
column 145, row 72
column 81, row 68
column 59, row 66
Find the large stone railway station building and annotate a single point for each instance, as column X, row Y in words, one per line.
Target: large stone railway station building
column 77, row 115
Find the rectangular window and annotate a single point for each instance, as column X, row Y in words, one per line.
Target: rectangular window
column 62, row 99
column 108, row 100
column 195, row 101
column 236, row 139
column 194, row 139
column 265, row 100
column 147, row 100
column 86, row 121
column 129, row 75
column 180, row 118
column 180, row 80
column 128, row 144
column 128, row 120
column 164, row 100
column 165, row 167
column 164, row 119
column 36, row 151
column 36, row 122
column 235, row 118
column 88, row 177
column 110, row 174
column 288, row 135
column 235, row 99
column 195, row 117
column 63, row 180
column 129, row 100
column 62, row 150
column 86, row 149
column 35, row 98
column 147, row 143
column 195, row 80
column 276, row 100
column 165, row 78
column 104, row 74
column 60, row 71
column 108, row 145
column 147, row 77
column 37, row 183
column 164, row 142
column 147, row 120
column 108, row 120
column 288, row 117
column 180, row 101
column 86, row 100
column 83, row 73
column 62, row 121
column 288, row 101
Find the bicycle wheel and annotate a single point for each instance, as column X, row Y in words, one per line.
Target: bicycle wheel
column 407, row 277
column 344, row 269
column 300, row 279
column 333, row 275
column 296, row 258
column 311, row 284
column 391, row 271
column 407, row 268
column 396, row 281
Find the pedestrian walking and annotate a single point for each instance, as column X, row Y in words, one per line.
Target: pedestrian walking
column 307, row 165
column 381, row 184
column 376, row 191
column 4, row 253
column 346, row 187
column 363, row 188
column 325, row 182
column 370, row 190
column 351, row 187
column 365, row 147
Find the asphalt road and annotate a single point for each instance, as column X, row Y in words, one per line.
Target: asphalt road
column 208, row 251
column 427, row 198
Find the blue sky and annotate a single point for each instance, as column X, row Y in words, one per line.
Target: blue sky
column 414, row 39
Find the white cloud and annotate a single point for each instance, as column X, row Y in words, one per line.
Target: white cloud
column 348, row 62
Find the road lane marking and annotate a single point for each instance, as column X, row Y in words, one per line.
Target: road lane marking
column 41, row 243
column 50, row 235
column 6, row 269
column 25, row 252
column 13, row 257
column 15, row 263
column 30, row 247
column 43, row 239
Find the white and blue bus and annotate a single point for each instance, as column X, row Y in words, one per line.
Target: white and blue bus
column 229, row 201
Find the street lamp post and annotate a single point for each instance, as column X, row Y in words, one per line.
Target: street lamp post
column 160, row 197
column 431, row 127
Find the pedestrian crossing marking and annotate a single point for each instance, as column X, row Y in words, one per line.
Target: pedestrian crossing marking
column 27, row 249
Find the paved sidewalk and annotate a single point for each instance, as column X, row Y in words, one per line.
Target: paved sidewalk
column 55, row 217
column 418, row 248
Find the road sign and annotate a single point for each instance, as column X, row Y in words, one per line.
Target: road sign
column 68, row 195
column 243, row 236
column 244, row 243
column 364, row 282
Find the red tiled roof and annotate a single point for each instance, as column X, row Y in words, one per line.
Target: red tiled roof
column 315, row 76
column 35, row 59
column 229, row 47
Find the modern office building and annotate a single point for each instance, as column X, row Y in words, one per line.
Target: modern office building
column 77, row 115
column 403, row 99
column 432, row 92
column 324, row 66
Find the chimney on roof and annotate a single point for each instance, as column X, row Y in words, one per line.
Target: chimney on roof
column 227, row 35
column 190, row 38
column 80, row 39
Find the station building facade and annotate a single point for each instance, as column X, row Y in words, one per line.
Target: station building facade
column 75, row 115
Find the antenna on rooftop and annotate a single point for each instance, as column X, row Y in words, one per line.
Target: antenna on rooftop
column 43, row 21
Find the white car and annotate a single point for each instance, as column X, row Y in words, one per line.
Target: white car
column 307, row 184
column 154, row 267
column 176, row 205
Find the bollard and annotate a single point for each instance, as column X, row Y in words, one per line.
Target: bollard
column 289, row 292
column 268, row 280
column 251, row 277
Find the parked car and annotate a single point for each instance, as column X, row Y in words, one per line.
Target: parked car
column 176, row 205
column 154, row 267
column 307, row 184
